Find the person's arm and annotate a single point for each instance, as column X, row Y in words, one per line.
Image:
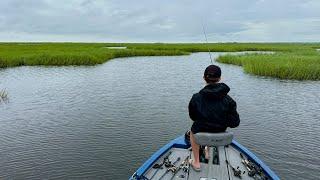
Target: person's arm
column 233, row 116
column 192, row 109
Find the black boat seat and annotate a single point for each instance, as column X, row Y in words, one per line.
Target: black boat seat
column 213, row 139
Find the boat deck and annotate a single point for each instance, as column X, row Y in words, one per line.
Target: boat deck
column 219, row 170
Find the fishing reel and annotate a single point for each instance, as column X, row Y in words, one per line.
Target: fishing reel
column 236, row 171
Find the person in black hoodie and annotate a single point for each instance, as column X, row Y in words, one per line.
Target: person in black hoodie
column 212, row 110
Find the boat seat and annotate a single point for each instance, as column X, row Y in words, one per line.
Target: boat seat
column 213, row 139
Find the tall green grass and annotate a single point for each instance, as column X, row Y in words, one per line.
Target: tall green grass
column 62, row 54
column 3, row 96
column 291, row 60
column 301, row 65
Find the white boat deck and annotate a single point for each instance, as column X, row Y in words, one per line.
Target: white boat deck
column 209, row 171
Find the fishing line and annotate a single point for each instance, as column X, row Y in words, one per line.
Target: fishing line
column 206, row 38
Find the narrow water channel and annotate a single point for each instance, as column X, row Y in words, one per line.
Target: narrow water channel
column 104, row 121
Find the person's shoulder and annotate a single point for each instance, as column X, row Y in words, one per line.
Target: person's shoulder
column 230, row 100
column 196, row 95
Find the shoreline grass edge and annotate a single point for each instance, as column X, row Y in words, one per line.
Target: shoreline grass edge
column 299, row 61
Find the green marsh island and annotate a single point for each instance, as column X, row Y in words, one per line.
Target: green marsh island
column 299, row 61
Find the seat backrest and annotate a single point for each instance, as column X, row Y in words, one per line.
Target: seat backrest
column 213, row 139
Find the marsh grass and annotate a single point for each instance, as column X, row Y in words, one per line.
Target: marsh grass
column 290, row 60
column 3, row 96
column 62, row 54
column 301, row 65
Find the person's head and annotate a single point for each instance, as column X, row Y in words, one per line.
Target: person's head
column 212, row 74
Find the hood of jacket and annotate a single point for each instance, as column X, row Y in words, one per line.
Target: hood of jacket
column 215, row 91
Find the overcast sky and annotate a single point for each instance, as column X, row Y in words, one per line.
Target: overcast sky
column 159, row 20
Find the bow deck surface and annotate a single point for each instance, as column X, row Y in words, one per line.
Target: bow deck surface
column 209, row 170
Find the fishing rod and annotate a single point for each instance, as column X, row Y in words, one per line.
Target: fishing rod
column 254, row 171
column 236, row 171
column 165, row 162
column 184, row 166
column 207, row 44
column 249, row 166
column 206, row 38
column 170, row 168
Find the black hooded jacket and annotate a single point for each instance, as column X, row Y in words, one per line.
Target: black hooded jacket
column 213, row 110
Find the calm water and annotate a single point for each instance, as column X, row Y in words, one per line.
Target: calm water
column 103, row 122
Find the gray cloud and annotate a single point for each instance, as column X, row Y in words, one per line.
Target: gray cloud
column 159, row 21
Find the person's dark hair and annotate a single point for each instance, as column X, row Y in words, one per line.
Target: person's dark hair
column 212, row 74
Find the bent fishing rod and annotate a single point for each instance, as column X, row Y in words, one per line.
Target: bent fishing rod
column 206, row 38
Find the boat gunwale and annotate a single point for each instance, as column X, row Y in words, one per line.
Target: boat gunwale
column 251, row 156
column 180, row 142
